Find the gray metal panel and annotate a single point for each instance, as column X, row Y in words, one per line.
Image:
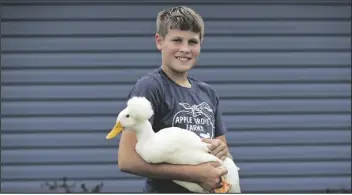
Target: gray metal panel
column 111, row 107
column 282, row 71
column 108, row 155
column 85, row 123
column 235, row 138
column 256, row 169
column 110, row 185
column 268, row 185
column 235, row 75
column 123, row 44
column 115, row 92
column 70, row 28
column 152, row 60
column 149, row 11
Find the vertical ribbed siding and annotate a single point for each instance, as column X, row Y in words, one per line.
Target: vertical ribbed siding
column 282, row 70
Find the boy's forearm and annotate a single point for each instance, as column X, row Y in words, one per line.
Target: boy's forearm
column 137, row 166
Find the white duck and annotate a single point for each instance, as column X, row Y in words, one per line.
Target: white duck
column 171, row 145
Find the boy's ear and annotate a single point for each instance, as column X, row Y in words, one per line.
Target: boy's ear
column 158, row 41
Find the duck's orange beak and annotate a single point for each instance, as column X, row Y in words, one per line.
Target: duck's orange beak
column 115, row 131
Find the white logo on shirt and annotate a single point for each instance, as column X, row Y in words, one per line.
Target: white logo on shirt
column 196, row 118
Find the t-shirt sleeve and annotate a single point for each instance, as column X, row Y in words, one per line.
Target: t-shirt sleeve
column 220, row 127
column 149, row 88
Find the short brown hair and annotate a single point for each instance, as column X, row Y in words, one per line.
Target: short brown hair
column 182, row 18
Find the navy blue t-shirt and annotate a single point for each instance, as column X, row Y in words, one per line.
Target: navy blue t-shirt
column 196, row 109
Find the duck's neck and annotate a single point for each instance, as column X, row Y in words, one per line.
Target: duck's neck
column 144, row 131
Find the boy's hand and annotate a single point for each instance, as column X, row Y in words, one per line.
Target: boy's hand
column 217, row 148
column 209, row 175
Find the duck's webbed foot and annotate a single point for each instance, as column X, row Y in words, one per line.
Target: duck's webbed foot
column 225, row 186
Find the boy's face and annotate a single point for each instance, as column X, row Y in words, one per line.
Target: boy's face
column 179, row 49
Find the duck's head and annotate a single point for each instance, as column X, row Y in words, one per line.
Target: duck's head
column 138, row 110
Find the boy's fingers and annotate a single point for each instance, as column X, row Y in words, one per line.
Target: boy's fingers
column 206, row 140
column 222, row 171
column 211, row 146
column 219, row 184
column 221, row 155
column 215, row 164
column 218, row 149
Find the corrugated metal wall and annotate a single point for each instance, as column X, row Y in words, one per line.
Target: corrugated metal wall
column 282, row 70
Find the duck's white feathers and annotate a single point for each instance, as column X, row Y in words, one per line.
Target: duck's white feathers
column 168, row 145
column 171, row 145
column 140, row 107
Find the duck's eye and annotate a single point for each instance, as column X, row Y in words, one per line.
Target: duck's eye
column 127, row 116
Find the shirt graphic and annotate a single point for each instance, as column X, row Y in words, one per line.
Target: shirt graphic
column 197, row 118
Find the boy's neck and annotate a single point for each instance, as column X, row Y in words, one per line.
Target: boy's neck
column 179, row 78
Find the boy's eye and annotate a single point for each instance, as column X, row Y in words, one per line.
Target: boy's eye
column 194, row 42
column 177, row 40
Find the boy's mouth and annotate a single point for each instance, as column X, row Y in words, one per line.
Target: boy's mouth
column 183, row 59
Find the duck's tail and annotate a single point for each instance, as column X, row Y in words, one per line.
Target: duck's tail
column 233, row 175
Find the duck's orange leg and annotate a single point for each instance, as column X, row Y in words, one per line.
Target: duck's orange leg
column 225, row 186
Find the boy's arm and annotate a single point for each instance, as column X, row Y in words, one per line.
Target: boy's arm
column 129, row 161
column 207, row 175
column 223, row 139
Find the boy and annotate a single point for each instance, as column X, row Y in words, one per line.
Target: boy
column 178, row 100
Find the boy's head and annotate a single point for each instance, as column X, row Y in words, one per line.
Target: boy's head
column 179, row 18
column 180, row 31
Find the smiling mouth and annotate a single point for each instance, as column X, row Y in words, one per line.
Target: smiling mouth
column 183, row 59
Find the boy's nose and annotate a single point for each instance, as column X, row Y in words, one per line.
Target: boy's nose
column 184, row 48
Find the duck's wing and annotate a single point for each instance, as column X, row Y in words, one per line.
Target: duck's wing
column 178, row 146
